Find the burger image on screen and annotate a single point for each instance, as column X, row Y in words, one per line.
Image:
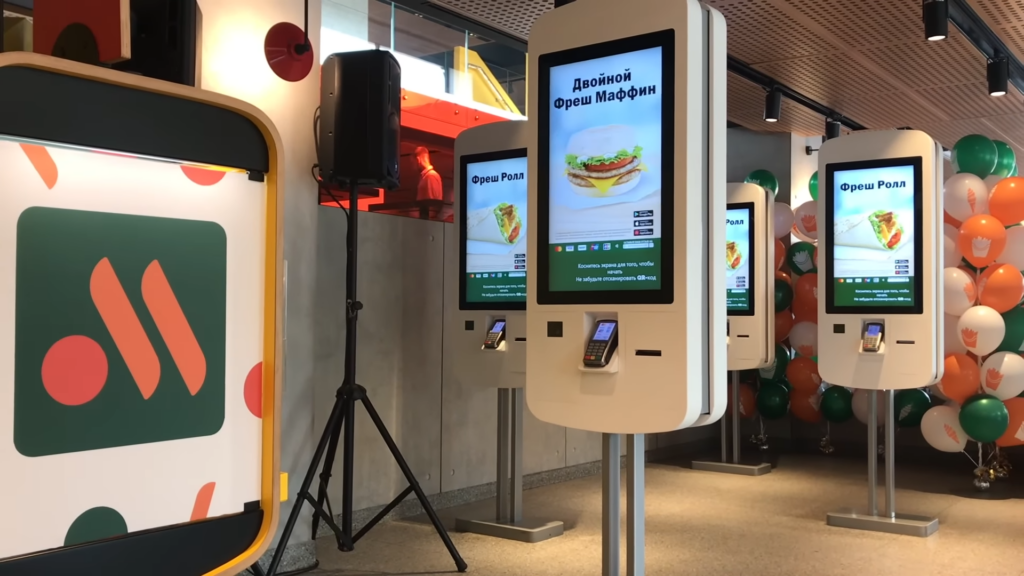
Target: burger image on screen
column 603, row 161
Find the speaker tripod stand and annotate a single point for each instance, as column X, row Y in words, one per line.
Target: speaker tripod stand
column 343, row 414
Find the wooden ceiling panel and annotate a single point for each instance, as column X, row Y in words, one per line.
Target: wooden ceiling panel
column 829, row 79
column 999, row 12
column 863, row 23
column 965, row 101
column 759, row 32
column 923, row 64
column 746, row 108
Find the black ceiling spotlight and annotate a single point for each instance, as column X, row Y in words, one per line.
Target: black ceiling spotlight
column 935, row 14
column 832, row 128
column 998, row 76
column 773, row 105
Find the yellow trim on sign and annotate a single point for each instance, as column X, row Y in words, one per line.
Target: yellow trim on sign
column 284, row 486
column 270, row 479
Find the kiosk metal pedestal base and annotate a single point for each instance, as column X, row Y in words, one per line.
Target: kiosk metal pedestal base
column 508, row 520
column 611, row 470
column 903, row 524
column 733, row 467
column 889, row 522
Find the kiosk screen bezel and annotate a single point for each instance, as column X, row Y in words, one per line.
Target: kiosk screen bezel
column 751, row 260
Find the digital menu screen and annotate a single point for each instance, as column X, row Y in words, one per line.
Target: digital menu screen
column 874, row 221
column 739, row 259
column 493, row 226
column 605, row 170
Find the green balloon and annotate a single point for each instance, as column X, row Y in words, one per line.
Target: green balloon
column 764, row 179
column 812, row 186
column 1006, row 159
column 1014, row 171
column 800, row 258
column 837, row 404
column 785, row 383
column 773, row 401
column 984, row 417
column 975, row 154
column 777, row 370
column 910, row 406
column 783, row 295
column 1013, row 341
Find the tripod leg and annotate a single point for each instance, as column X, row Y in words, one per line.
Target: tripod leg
column 332, row 422
column 347, row 475
column 460, row 564
column 325, row 473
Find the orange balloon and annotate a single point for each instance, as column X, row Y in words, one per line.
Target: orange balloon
column 783, row 324
column 802, row 373
column 961, row 378
column 1006, row 200
column 1001, row 287
column 947, row 219
column 1014, row 435
column 805, row 312
column 805, row 293
column 780, row 275
column 780, row 253
column 748, row 404
column 982, row 239
column 804, row 406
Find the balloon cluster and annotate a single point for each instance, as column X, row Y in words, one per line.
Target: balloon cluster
column 792, row 383
column 983, row 255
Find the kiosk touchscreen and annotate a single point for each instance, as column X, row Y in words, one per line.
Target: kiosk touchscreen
column 626, row 314
column 749, row 276
column 879, row 273
column 485, row 262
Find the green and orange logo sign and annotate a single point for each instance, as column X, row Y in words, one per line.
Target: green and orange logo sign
column 119, row 330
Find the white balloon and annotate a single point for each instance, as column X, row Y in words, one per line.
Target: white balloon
column 860, row 406
column 941, row 429
column 951, row 337
column 783, row 219
column 959, row 290
column 803, row 337
column 1013, row 254
column 951, row 255
column 805, row 220
column 965, row 195
column 981, row 330
column 800, row 235
column 1002, row 375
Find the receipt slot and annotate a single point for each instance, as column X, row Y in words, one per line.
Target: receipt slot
column 627, row 203
column 880, row 317
column 485, row 323
column 750, row 298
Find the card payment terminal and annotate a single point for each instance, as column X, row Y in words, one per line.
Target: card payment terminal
column 603, row 341
column 872, row 337
column 496, row 335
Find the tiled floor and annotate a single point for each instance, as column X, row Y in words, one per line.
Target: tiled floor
column 707, row 524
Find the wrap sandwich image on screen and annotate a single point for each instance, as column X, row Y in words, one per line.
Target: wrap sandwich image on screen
column 498, row 224
column 604, row 161
column 879, row 230
column 733, row 256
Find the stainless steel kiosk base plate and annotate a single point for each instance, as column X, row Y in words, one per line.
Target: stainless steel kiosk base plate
column 527, row 531
column 904, row 524
column 726, row 468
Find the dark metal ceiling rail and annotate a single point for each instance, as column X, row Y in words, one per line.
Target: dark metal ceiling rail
column 748, row 73
column 977, row 31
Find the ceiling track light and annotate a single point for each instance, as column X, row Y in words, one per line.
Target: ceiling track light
column 833, row 128
column 935, row 15
column 998, row 76
column 773, row 105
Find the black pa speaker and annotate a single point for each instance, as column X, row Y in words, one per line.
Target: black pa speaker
column 360, row 118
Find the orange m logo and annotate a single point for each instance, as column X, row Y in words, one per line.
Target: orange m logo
column 131, row 339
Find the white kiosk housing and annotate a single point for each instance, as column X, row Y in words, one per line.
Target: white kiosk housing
column 626, row 293
column 750, row 304
column 485, row 326
column 880, row 304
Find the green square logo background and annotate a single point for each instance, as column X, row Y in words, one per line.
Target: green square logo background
column 56, row 252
